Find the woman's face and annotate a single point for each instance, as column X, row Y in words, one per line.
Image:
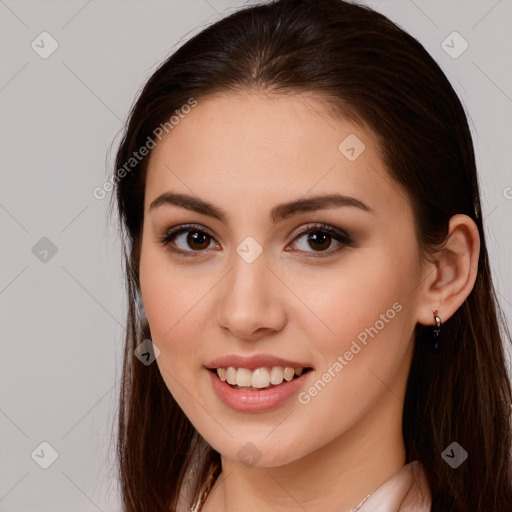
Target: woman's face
column 248, row 280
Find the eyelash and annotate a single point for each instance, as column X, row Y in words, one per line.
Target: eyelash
column 340, row 236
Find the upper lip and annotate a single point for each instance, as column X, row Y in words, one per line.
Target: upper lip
column 253, row 362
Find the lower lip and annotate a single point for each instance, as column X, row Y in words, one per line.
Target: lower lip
column 257, row 401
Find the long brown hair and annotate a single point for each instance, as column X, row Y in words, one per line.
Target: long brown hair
column 366, row 68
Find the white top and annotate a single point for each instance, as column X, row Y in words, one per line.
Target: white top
column 406, row 491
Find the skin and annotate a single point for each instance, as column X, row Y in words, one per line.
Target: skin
column 246, row 153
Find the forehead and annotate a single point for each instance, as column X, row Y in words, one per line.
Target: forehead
column 253, row 145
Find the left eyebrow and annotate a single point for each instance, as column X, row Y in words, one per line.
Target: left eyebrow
column 277, row 214
column 285, row 210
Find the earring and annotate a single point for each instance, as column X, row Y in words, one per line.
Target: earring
column 437, row 328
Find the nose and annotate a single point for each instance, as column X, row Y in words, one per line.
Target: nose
column 251, row 304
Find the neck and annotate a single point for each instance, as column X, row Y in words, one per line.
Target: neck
column 337, row 476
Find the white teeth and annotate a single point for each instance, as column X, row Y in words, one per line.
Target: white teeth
column 288, row 373
column 276, row 375
column 244, row 377
column 230, row 375
column 259, row 378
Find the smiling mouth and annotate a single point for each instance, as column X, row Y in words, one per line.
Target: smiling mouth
column 259, row 379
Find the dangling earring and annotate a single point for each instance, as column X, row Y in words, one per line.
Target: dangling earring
column 437, row 328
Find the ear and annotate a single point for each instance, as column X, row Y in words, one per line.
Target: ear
column 451, row 274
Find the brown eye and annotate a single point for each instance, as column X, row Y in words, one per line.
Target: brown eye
column 317, row 241
column 198, row 240
column 187, row 240
column 320, row 238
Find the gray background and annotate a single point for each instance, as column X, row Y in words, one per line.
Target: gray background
column 62, row 318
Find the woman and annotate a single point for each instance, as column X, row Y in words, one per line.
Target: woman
column 307, row 268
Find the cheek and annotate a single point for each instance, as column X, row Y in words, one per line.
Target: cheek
column 172, row 307
column 367, row 288
column 369, row 315
column 175, row 330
